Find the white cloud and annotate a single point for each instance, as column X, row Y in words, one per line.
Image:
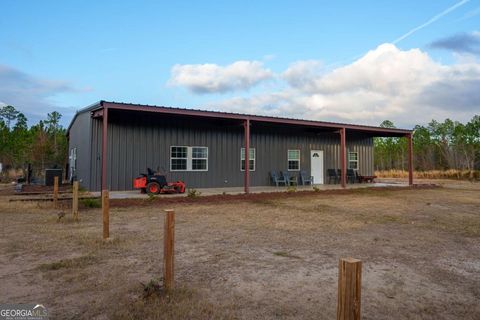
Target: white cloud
column 212, row 78
column 385, row 70
column 300, row 73
column 407, row 87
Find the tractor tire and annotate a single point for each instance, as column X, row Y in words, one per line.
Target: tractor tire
column 153, row 188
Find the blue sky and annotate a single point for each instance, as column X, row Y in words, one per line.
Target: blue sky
column 297, row 58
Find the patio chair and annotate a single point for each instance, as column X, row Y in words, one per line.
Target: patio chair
column 357, row 177
column 277, row 179
column 339, row 175
column 332, row 176
column 291, row 180
column 351, row 175
column 305, row 178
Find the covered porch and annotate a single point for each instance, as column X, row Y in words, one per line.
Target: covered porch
column 343, row 132
column 246, row 125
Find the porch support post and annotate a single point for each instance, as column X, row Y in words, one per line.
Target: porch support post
column 246, row 126
column 410, row 158
column 104, row 148
column 343, row 157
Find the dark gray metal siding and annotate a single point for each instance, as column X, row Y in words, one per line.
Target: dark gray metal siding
column 79, row 138
column 95, row 155
column 137, row 141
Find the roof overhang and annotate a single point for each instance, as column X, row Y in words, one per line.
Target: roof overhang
column 96, row 111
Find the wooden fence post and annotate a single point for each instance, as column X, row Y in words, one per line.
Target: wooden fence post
column 349, row 289
column 75, row 201
column 106, row 214
column 55, row 192
column 168, row 250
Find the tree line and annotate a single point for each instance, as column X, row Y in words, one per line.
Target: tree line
column 437, row 146
column 43, row 145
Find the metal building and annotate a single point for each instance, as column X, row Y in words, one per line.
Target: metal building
column 110, row 143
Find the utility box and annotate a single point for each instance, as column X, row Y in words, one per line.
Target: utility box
column 50, row 175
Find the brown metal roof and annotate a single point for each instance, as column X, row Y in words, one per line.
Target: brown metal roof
column 377, row 131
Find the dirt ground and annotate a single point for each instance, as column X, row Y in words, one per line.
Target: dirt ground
column 9, row 189
column 258, row 258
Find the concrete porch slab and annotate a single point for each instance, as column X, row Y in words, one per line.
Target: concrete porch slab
column 135, row 194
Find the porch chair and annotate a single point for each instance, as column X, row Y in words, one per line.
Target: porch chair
column 332, row 175
column 358, row 177
column 277, row 179
column 339, row 174
column 291, row 180
column 305, row 178
column 351, row 175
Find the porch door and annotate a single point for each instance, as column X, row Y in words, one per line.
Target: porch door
column 316, row 166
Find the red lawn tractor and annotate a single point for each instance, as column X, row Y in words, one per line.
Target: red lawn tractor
column 153, row 183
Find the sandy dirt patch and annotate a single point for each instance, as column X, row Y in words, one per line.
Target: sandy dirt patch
column 253, row 258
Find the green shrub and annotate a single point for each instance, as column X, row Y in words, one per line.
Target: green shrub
column 153, row 287
column 292, row 189
column 151, row 196
column 193, row 193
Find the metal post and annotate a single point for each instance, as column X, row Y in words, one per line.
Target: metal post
column 410, row 158
column 246, row 125
column 104, row 148
column 343, row 157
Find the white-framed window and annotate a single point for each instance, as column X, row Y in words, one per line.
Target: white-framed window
column 178, row 158
column 353, row 160
column 251, row 159
column 293, row 160
column 183, row 158
column 199, row 158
